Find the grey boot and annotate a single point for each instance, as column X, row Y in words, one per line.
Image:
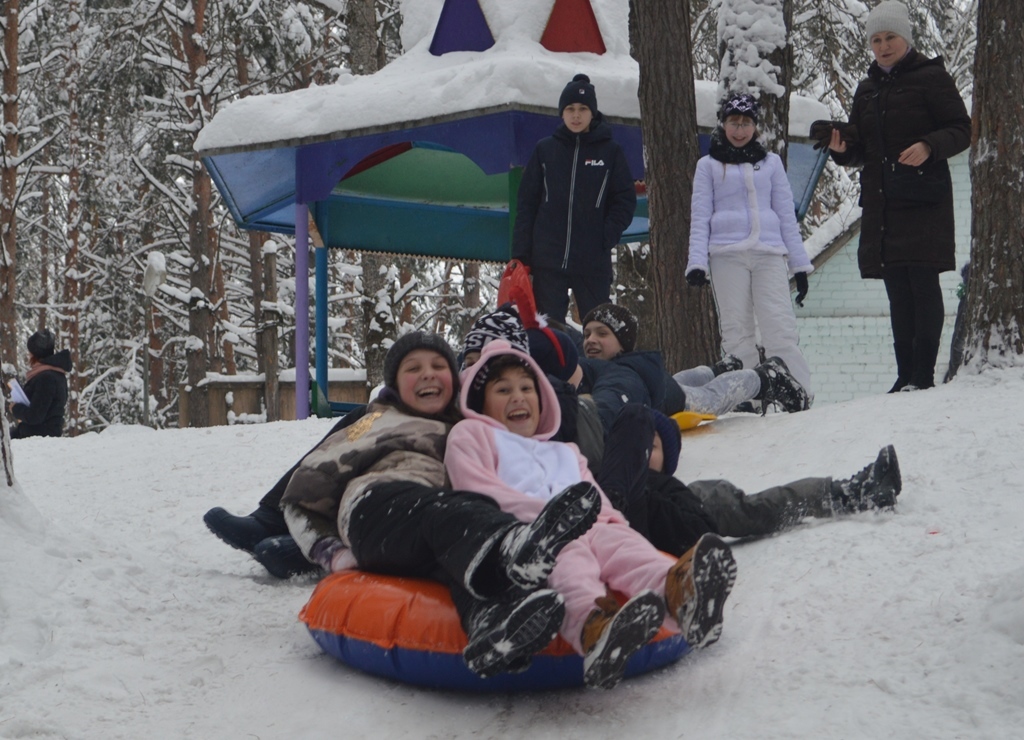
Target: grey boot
column 874, row 487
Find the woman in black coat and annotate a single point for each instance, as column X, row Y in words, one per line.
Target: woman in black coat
column 46, row 386
column 907, row 119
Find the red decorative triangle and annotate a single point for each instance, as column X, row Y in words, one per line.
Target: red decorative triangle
column 573, row 27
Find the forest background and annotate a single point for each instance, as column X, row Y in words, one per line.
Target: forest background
column 102, row 101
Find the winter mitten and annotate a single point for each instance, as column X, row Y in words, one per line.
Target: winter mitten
column 324, row 551
column 696, row 278
column 801, row 288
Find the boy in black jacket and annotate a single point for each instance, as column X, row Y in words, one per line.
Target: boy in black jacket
column 576, row 198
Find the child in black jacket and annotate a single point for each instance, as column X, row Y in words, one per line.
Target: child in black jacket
column 576, row 198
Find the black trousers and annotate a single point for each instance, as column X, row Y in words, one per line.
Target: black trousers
column 917, row 315
column 551, row 292
column 407, row 529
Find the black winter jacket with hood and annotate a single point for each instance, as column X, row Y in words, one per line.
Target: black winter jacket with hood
column 48, row 394
column 575, row 200
column 916, row 101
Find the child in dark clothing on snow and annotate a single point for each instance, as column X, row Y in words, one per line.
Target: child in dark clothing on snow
column 503, row 449
column 638, row 476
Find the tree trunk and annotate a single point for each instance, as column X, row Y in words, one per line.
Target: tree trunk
column 199, row 347
column 378, row 317
column 9, row 188
column 995, row 312
column 682, row 321
column 72, row 276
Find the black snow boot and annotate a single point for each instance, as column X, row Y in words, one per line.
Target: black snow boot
column 727, row 364
column 528, row 551
column 874, row 487
column 503, row 636
column 241, row 532
column 779, row 387
column 282, row 557
column 904, row 365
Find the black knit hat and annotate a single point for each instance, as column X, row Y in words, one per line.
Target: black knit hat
column 41, row 344
column 619, row 319
column 671, row 441
column 503, row 323
column 543, row 350
column 741, row 104
column 578, row 91
column 413, row 341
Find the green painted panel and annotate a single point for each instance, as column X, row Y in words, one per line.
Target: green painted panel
column 430, row 176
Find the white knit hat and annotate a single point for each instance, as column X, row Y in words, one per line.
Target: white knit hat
column 890, row 15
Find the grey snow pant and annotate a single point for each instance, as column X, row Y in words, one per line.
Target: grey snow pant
column 738, row 515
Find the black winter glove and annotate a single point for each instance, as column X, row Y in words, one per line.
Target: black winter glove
column 697, row 279
column 801, row 288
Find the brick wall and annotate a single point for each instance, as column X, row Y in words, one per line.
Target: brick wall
column 844, row 324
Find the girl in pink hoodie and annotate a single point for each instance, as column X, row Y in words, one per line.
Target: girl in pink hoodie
column 502, row 449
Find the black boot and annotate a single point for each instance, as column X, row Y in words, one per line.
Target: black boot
column 282, row 557
column 503, row 636
column 779, row 387
column 926, row 351
column 241, row 532
column 727, row 364
column 904, row 365
column 874, row 487
column 528, row 551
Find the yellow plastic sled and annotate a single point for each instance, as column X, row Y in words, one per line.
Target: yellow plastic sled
column 690, row 419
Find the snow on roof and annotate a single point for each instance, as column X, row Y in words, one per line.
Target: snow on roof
column 417, row 86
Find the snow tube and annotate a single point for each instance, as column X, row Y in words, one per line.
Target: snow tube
column 407, row 629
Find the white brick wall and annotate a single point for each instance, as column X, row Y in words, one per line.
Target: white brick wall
column 844, row 324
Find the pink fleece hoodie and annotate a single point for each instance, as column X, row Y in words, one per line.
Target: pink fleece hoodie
column 521, row 474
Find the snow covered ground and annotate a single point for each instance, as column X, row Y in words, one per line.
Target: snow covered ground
column 122, row 617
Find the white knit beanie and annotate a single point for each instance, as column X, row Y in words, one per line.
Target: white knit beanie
column 890, row 15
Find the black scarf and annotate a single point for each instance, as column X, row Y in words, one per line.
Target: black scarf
column 723, row 151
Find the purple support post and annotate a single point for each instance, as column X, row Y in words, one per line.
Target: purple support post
column 301, row 311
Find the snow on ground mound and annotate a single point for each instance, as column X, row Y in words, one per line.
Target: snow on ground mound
column 122, row 617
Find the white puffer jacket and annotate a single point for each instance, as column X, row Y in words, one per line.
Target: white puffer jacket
column 738, row 207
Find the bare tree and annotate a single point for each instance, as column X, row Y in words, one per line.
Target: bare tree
column 9, row 186
column 994, row 310
column 683, row 321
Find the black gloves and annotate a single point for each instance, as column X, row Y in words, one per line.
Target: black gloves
column 822, row 131
column 801, row 288
column 696, row 278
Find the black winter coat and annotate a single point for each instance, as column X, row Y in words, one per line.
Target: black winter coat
column 48, row 394
column 575, row 200
column 917, row 101
column 632, row 377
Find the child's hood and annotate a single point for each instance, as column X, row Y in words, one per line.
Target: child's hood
column 550, row 412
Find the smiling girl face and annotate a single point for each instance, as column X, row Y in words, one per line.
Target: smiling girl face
column 424, row 382
column 512, row 399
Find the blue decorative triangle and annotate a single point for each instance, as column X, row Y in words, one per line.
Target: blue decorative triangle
column 461, row 27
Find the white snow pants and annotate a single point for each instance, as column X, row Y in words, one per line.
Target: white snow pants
column 755, row 285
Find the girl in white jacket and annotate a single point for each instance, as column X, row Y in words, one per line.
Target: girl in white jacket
column 743, row 231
